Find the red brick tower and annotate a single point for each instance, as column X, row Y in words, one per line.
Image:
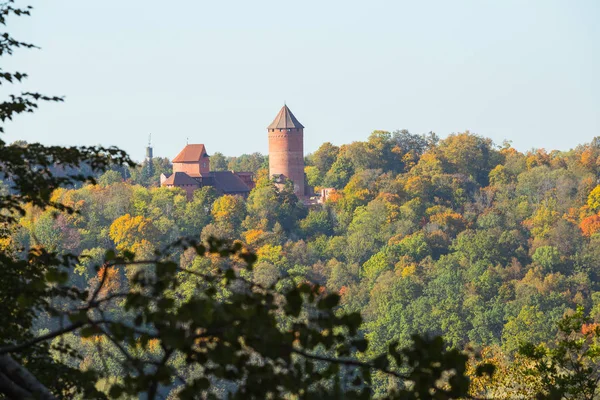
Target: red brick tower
column 286, row 149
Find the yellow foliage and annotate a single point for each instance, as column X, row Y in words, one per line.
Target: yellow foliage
column 252, row 235
column 498, row 175
column 94, row 339
column 429, row 165
column 6, row 243
column 129, row 232
column 511, row 379
column 409, row 159
column 415, row 185
column 392, row 204
column 228, row 209
column 57, row 195
column 593, row 200
column 409, row 270
column 154, row 345
column 448, row 220
column 269, row 253
column 543, row 219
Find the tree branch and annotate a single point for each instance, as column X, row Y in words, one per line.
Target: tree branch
column 348, row 361
column 43, row 338
column 11, row 389
column 19, row 374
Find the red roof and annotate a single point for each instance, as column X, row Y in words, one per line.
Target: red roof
column 191, row 153
column 229, row 182
column 180, row 179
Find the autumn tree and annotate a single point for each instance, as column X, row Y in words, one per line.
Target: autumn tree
column 129, row 232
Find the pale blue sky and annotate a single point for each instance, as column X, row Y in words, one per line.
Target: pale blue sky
column 219, row 71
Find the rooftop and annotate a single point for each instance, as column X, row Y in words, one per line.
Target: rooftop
column 229, row 182
column 285, row 120
column 180, row 179
column 191, row 153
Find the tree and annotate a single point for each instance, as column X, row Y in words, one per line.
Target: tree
column 324, row 157
column 148, row 174
column 219, row 342
column 269, row 206
column 340, row 172
column 218, row 162
column 594, row 199
column 548, row 257
column 470, row 155
column 129, row 233
column 229, row 210
column 317, row 222
column 198, row 211
column 529, row 325
column 110, row 177
column 227, row 334
column 247, row 162
column 28, row 283
column 590, row 225
column 568, row 369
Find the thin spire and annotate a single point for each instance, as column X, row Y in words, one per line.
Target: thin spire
column 150, row 140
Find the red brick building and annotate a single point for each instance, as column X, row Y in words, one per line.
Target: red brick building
column 191, row 167
column 286, row 150
column 191, row 171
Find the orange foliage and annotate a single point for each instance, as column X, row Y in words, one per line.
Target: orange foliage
column 416, row 185
column 410, row 159
column 253, row 235
column 112, row 282
column 572, row 215
column 94, row 339
column 154, row 345
column 588, row 158
column 334, row 197
column 392, row 204
column 449, row 220
column 590, row 225
column 590, row 329
column 509, row 151
column 539, row 158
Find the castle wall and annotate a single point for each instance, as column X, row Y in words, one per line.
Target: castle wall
column 286, row 156
column 193, row 168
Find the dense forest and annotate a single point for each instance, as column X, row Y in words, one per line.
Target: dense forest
column 436, row 269
column 482, row 244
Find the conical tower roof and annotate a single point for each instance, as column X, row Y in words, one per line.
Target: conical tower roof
column 285, row 120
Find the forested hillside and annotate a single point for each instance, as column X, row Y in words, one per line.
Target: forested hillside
column 482, row 244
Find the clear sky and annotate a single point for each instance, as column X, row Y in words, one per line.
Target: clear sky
column 217, row 72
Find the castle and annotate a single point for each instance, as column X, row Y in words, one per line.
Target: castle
column 191, row 167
